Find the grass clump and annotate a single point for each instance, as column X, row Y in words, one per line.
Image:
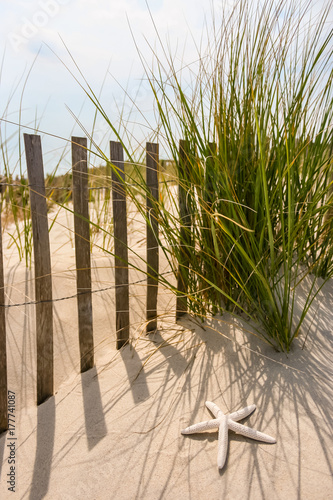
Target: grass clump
column 257, row 121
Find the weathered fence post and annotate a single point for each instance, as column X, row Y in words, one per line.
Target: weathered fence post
column 209, row 191
column 3, row 351
column 82, row 251
column 185, row 230
column 120, row 243
column 152, row 234
column 43, row 279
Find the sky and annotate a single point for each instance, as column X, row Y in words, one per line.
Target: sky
column 38, row 86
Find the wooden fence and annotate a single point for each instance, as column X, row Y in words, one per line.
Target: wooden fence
column 42, row 259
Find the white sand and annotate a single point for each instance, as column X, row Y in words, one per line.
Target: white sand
column 114, row 432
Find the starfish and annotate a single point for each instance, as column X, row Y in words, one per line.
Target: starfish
column 225, row 422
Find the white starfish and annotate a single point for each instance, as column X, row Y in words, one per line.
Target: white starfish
column 223, row 423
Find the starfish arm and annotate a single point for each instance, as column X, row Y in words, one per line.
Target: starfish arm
column 201, row 427
column 223, row 442
column 248, row 432
column 240, row 414
column 214, row 409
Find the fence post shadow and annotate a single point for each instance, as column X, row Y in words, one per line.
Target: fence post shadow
column 44, row 450
column 135, row 373
column 93, row 408
column 2, row 449
column 171, row 354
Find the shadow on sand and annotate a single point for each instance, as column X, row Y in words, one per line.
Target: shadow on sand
column 2, row 449
column 93, row 408
column 44, row 451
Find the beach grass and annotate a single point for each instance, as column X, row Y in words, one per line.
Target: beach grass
column 255, row 113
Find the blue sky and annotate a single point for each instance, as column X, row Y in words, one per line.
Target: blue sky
column 98, row 35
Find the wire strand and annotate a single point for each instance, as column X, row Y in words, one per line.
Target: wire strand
column 113, row 287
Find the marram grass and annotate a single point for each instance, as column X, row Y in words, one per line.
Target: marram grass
column 257, row 122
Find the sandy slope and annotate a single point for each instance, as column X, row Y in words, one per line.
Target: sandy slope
column 114, row 432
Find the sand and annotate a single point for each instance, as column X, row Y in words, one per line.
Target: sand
column 114, row 431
